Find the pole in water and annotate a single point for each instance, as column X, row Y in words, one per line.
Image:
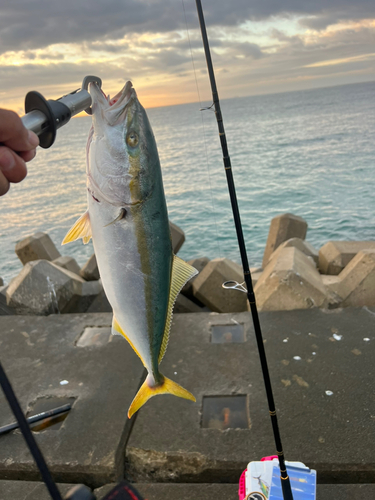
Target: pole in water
column 285, row 482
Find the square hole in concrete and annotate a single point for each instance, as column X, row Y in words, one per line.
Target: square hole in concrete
column 44, row 405
column 95, row 336
column 225, row 412
column 227, row 334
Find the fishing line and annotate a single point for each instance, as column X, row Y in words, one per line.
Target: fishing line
column 204, row 135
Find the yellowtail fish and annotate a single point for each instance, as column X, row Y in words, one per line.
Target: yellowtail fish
column 128, row 221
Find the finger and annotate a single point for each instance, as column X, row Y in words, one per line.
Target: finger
column 27, row 155
column 4, row 184
column 12, row 166
column 13, row 133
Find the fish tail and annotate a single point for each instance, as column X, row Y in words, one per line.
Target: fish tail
column 147, row 391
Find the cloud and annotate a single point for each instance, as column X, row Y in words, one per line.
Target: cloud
column 291, row 44
column 37, row 24
column 327, row 17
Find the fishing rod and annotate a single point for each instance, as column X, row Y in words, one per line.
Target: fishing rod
column 285, row 481
column 28, row 436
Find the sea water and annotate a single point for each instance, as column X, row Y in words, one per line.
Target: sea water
column 310, row 153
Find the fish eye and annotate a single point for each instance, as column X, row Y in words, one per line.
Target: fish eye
column 132, row 139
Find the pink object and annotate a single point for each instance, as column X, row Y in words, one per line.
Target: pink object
column 242, row 486
column 267, row 459
column 242, row 481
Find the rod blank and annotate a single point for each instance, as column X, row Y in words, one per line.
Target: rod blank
column 285, row 482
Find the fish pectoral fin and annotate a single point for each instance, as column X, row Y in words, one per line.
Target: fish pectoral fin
column 117, row 330
column 80, row 229
column 182, row 272
column 166, row 387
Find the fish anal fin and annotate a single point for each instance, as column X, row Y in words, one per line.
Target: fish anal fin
column 117, row 330
column 182, row 272
column 147, row 391
column 80, row 229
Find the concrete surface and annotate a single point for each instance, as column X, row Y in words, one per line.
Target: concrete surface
column 100, row 303
column 335, row 255
column 290, row 281
column 207, row 286
column 35, row 247
column 5, row 310
column 302, row 245
column 90, row 270
column 43, row 288
column 185, row 305
column 28, row 490
column 178, row 237
column 157, row 491
column 67, row 263
column 356, row 283
column 199, row 263
column 225, row 491
column 322, row 370
column 282, row 228
column 38, row 353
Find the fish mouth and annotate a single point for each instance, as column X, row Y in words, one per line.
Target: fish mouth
column 113, row 110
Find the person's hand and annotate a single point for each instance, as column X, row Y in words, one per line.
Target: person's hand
column 17, row 146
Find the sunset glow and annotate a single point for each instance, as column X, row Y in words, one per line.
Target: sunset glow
column 254, row 51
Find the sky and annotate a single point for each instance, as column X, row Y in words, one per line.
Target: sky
column 257, row 47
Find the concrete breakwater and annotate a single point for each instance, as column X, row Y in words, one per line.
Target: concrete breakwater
column 294, row 275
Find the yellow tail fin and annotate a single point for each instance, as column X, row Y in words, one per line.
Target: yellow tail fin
column 146, row 392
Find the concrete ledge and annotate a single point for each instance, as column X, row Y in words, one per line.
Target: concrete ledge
column 322, row 373
column 29, row 490
column 225, row 491
column 34, row 490
column 157, row 491
column 42, row 360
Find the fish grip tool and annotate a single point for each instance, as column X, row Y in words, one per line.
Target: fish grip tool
column 44, row 116
column 285, row 480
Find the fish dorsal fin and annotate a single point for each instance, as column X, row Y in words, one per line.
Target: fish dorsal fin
column 182, row 272
column 80, row 229
column 117, row 330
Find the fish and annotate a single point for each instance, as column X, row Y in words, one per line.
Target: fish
column 127, row 219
